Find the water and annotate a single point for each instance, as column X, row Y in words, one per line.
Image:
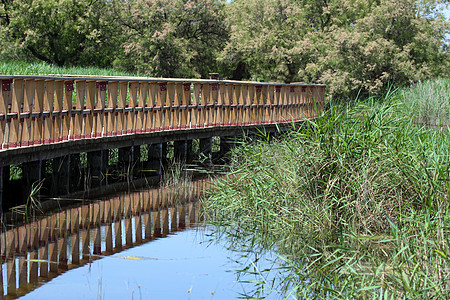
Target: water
column 183, row 265
column 144, row 245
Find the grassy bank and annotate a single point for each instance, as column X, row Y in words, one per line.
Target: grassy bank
column 355, row 202
column 42, row 68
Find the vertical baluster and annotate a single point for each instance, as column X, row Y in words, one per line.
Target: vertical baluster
column 57, row 108
column 177, row 102
column 48, row 110
column 117, row 223
column 220, row 111
column 99, row 110
column 88, row 115
column 131, row 113
column 23, row 263
column 120, row 110
column 251, row 104
column 28, row 97
column 161, row 102
column 185, row 102
column 151, row 113
column 77, row 114
column 95, row 223
column 67, row 131
column 62, row 240
column 213, row 104
column 204, row 101
column 111, row 116
column 5, row 100
column 140, row 114
column 168, row 106
column 16, row 109
column 263, row 118
column 194, row 112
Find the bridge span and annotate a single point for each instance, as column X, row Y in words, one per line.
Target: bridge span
column 47, row 124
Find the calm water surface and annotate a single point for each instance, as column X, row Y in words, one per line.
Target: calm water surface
column 182, row 265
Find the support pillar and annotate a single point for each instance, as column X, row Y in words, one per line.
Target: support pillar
column 206, row 150
column 76, row 176
column 154, row 163
column 190, row 152
column 32, row 175
column 127, row 161
column 97, row 165
column 180, row 151
column 61, row 172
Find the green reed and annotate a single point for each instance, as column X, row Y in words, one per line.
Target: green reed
column 354, row 202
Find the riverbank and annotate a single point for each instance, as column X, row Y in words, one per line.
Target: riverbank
column 355, row 202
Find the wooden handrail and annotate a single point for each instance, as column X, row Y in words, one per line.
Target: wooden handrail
column 37, row 110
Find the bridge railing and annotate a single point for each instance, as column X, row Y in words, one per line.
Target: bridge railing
column 37, row 110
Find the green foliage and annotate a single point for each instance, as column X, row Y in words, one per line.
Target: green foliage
column 352, row 46
column 356, row 202
column 61, row 32
column 171, row 38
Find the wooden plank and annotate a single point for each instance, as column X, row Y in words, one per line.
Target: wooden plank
column 62, row 254
column 76, row 248
column 5, row 100
column 34, row 268
column 167, row 114
column 53, row 253
column 150, row 115
column 118, row 235
column 156, row 224
column 77, row 118
column 131, row 116
column 121, row 104
column 108, row 238
column 99, row 113
column 185, row 102
column 11, row 286
column 173, row 219
column 147, row 226
column 165, row 221
column 141, row 115
column 176, row 110
column 194, row 117
column 27, row 132
column 113, row 88
column 43, row 250
column 88, row 116
column 67, row 130
column 48, row 109
column 138, row 228
column 16, row 104
column 57, row 108
column 213, row 101
column 204, row 101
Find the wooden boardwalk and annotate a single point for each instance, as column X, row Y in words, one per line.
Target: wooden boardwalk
column 56, row 118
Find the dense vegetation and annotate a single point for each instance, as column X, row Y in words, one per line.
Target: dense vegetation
column 356, row 202
column 354, row 46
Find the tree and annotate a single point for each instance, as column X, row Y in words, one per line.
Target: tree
column 167, row 38
column 61, row 32
column 353, row 46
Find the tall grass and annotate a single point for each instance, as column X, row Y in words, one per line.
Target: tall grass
column 355, row 203
column 42, row 68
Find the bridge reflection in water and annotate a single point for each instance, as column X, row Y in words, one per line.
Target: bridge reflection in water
column 41, row 250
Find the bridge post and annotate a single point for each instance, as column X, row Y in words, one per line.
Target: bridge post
column 61, row 179
column 128, row 157
column 190, row 152
column 75, row 177
column 1, row 192
column 226, row 144
column 206, row 149
column 155, row 152
column 32, row 174
column 180, row 150
column 97, row 164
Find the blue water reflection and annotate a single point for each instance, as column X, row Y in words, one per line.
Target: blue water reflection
column 183, row 265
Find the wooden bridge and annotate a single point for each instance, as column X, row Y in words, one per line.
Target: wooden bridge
column 46, row 122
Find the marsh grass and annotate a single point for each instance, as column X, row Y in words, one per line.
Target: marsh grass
column 42, row 68
column 355, row 203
